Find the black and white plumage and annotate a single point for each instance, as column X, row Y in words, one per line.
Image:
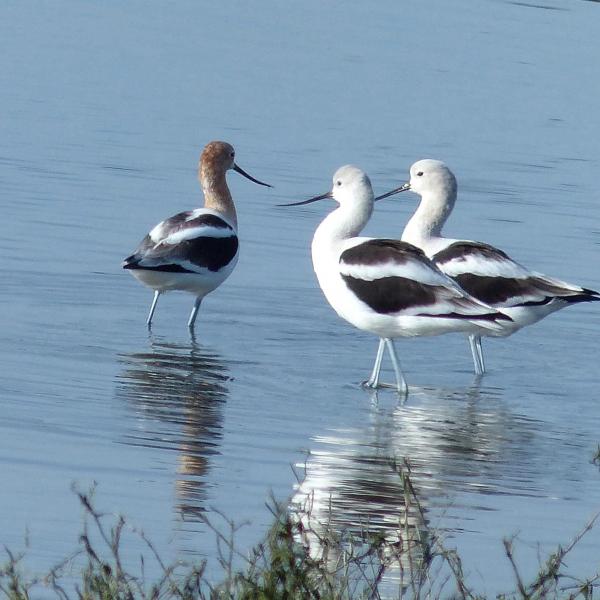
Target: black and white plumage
column 395, row 278
column 493, row 277
column 198, row 241
column 194, row 251
column 484, row 271
column 387, row 287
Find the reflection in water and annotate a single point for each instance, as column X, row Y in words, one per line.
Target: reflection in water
column 353, row 488
column 455, row 441
column 177, row 392
column 464, row 441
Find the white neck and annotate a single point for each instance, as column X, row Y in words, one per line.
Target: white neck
column 330, row 240
column 343, row 223
column 425, row 226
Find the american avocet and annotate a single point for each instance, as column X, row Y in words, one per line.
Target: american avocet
column 194, row 251
column 483, row 271
column 387, row 287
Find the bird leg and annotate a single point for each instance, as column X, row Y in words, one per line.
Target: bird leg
column 400, row 381
column 373, row 381
column 152, row 308
column 477, row 352
column 194, row 314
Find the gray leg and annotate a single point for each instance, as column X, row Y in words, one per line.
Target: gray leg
column 152, row 308
column 194, row 314
column 373, row 381
column 400, row 381
column 474, row 354
column 480, row 353
column 477, row 353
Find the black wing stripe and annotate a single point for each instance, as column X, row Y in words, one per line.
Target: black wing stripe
column 209, row 252
column 164, row 268
column 495, row 316
column 462, row 250
column 210, row 221
column 391, row 294
column 205, row 252
column 497, row 291
column 380, row 251
column 184, row 220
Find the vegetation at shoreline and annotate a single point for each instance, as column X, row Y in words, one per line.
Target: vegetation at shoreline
column 297, row 559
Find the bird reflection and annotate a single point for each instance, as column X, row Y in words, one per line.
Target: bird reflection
column 177, row 392
column 457, row 443
column 352, row 487
column 462, row 440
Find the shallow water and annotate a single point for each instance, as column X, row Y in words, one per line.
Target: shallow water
column 105, row 110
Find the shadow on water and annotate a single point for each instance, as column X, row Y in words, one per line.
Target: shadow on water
column 177, row 394
column 460, row 443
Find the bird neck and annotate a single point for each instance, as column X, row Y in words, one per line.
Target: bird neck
column 341, row 224
column 217, row 195
column 427, row 222
column 329, row 242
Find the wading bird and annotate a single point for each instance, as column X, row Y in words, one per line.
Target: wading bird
column 483, row 271
column 194, row 251
column 386, row 287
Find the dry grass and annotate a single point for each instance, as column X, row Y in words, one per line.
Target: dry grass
column 297, row 560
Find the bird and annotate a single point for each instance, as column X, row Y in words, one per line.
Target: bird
column 383, row 286
column 482, row 270
column 194, row 251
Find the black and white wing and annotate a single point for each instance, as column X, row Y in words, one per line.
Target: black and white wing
column 396, row 278
column 189, row 242
column 494, row 278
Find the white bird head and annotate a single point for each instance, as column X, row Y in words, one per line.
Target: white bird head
column 351, row 185
column 351, row 188
column 432, row 176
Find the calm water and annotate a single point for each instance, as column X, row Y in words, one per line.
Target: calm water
column 105, row 109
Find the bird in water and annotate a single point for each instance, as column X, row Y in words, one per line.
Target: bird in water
column 194, row 251
column 383, row 286
column 483, row 271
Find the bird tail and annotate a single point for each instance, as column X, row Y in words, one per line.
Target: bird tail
column 131, row 262
column 585, row 295
column 494, row 322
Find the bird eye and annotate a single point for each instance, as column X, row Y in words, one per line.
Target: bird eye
column 338, row 182
column 232, row 155
column 420, row 174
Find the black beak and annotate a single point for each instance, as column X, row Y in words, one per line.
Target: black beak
column 321, row 197
column 242, row 172
column 403, row 188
